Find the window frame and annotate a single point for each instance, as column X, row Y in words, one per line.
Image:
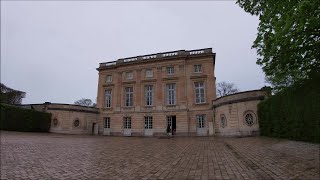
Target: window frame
column 107, row 122
column 127, row 123
column 171, row 94
column 198, row 68
column 170, row 70
column 148, row 94
column 108, row 80
column 128, row 96
column 201, row 121
column 200, row 98
column 129, row 75
column 150, row 75
column 108, row 98
column 148, row 122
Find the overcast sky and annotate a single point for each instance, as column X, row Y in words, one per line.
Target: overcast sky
column 51, row 50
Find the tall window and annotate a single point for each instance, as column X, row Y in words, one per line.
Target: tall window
column 170, row 70
column 199, row 90
column 107, row 122
column 148, row 122
column 198, row 68
column 108, row 98
column 171, row 94
column 149, row 94
column 201, row 121
column 127, row 122
column 109, row 78
column 129, row 96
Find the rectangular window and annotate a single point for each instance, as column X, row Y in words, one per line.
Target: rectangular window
column 171, row 94
column 108, row 98
column 199, row 92
column 149, row 73
column 107, row 122
column 129, row 96
column 169, row 121
column 149, row 94
column 129, row 75
column 127, row 122
column 170, row 70
column 109, row 78
column 201, row 121
column 148, row 122
column 198, row 68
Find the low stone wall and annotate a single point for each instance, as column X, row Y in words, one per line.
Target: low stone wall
column 71, row 119
column 236, row 114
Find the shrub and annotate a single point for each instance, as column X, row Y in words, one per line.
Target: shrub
column 293, row 113
column 14, row 118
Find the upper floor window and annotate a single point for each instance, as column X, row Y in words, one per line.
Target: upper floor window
column 199, row 92
column 107, row 122
column 170, row 70
column 171, row 94
column 109, row 78
column 149, row 73
column 198, row 68
column 108, row 98
column 149, row 95
column 129, row 96
column 129, row 75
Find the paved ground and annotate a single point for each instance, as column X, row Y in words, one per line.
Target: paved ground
column 53, row 156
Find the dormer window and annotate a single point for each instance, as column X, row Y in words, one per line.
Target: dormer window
column 129, row 75
column 198, row 68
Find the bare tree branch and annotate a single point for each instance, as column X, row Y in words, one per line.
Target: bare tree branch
column 224, row 88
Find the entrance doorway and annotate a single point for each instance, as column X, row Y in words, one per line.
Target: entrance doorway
column 171, row 124
column 95, row 128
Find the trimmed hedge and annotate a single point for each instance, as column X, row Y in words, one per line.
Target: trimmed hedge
column 293, row 113
column 14, row 118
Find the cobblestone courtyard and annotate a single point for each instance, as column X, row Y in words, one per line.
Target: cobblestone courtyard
column 54, row 156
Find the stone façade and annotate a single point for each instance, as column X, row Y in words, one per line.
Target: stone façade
column 192, row 78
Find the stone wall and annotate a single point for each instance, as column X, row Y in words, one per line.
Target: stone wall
column 70, row 119
column 236, row 115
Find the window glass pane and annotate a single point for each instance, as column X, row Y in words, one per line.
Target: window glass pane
column 149, row 94
column 170, row 70
column 171, row 94
column 129, row 96
column 108, row 98
column 199, row 92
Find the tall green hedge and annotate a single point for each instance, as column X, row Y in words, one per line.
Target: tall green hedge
column 293, row 113
column 14, row 118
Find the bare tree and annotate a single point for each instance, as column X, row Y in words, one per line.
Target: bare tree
column 224, row 88
column 84, row 102
column 11, row 96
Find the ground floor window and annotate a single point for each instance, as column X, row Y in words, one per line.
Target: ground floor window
column 107, row 122
column 169, row 120
column 201, row 120
column 127, row 122
column 148, row 122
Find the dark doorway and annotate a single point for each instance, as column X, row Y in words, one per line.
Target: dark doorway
column 171, row 124
column 93, row 128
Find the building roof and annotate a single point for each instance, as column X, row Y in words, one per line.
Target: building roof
column 156, row 57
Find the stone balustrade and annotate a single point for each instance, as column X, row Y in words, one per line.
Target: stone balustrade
column 159, row 56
